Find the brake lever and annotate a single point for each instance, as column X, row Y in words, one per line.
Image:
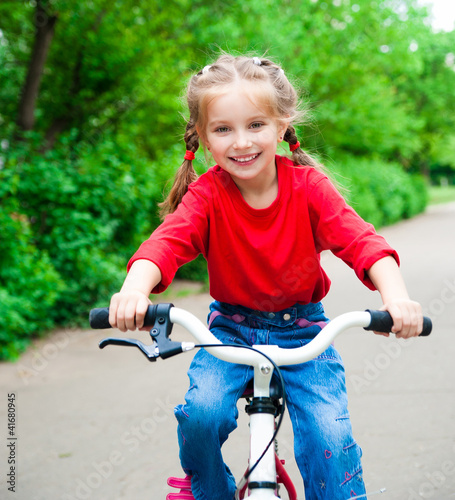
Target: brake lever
column 162, row 345
column 151, row 352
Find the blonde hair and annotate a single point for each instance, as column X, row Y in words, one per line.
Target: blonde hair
column 276, row 93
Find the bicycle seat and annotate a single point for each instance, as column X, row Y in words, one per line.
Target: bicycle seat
column 276, row 391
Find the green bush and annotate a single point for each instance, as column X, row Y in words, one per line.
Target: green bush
column 382, row 193
column 29, row 283
column 70, row 219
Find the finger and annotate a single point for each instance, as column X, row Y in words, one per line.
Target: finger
column 113, row 306
column 121, row 317
column 130, row 315
column 382, row 333
column 416, row 319
column 420, row 322
column 397, row 318
column 141, row 311
column 405, row 330
column 412, row 321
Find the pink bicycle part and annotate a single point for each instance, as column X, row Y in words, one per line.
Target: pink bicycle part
column 185, row 488
column 282, row 478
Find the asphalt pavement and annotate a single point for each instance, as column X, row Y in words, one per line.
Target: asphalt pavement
column 92, row 424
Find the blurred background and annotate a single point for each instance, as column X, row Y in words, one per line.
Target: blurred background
column 92, row 120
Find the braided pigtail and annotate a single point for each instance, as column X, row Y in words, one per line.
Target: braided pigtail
column 299, row 156
column 185, row 174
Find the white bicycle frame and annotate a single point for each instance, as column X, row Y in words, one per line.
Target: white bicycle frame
column 262, row 424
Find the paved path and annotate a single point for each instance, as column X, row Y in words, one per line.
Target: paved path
column 99, row 425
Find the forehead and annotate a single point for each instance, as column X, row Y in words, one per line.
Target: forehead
column 240, row 99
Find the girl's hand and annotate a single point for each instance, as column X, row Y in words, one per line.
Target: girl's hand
column 406, row 314
column 127, row 310
column 128, row 307
column 407, row 318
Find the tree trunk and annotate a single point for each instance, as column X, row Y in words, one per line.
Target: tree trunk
column 56, row 128
column 43, row 36
column 61, row 123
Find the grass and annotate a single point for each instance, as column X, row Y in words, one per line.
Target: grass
column 441, row 194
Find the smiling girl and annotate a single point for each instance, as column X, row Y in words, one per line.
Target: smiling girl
column 261, row 221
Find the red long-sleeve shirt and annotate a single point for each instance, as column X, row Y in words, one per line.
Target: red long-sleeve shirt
column 265, row 259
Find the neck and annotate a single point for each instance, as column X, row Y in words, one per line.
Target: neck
column 261, row 193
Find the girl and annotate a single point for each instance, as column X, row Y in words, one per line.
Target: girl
column 261, row 221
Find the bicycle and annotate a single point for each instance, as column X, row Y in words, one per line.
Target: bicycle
column 265, row 471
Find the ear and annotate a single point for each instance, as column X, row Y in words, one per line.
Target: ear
column 282, row 127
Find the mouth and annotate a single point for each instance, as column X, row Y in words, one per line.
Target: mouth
column 244, row 159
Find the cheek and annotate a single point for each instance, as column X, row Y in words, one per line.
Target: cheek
column 218, row 144
column 271, row 138
column 204, row 140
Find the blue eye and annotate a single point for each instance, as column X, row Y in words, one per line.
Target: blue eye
column 256, row 125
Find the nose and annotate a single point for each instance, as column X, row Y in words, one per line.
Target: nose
column 242, row 140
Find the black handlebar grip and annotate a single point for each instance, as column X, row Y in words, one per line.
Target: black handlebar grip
column 381, row 321
column 99, row 318
column 427, row 327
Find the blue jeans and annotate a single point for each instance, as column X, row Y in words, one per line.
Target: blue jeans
column 326, row 453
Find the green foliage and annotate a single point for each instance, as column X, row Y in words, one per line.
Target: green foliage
column 359, row 62
column 382, row 193
column 379, row 80
column 80, row 193
column 29, row 283
column 70, row 220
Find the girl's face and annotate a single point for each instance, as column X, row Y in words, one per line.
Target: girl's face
column 242, row 137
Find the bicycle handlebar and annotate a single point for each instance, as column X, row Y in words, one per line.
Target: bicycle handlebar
column 381, row 321
column 99, row 318
column 162, row 316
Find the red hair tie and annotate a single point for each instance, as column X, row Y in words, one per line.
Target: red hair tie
column 293, row 147
column 189, row 155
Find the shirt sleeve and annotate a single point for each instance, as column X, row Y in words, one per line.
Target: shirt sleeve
column 337, row 227
column 179, row 239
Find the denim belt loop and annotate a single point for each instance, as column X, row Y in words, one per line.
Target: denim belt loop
column 264, row 319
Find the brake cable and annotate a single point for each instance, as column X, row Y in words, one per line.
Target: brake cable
column 280, row 375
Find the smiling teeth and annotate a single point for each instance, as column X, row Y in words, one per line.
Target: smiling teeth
column 242, row 160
